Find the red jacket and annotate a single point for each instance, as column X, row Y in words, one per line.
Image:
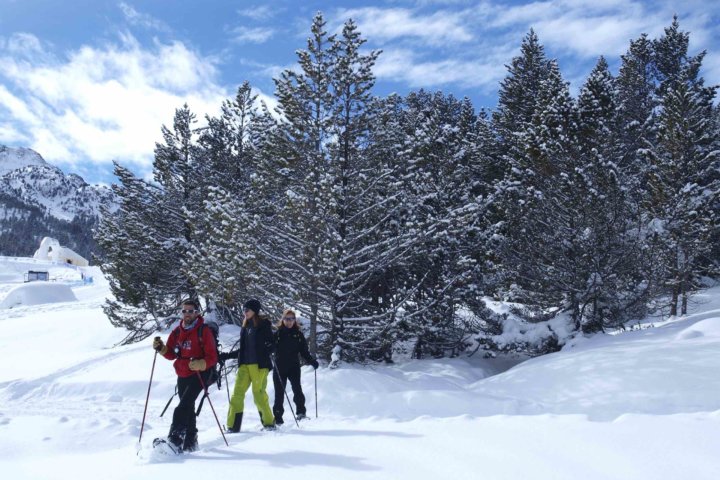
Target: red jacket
column 190, row 348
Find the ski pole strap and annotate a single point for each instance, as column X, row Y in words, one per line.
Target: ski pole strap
column 168, row 402
column 197, row 413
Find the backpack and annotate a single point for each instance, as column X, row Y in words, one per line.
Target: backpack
column 215, row 332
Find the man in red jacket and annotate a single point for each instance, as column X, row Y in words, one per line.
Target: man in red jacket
column 192, row 356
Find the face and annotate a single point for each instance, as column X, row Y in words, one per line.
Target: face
column 189, row 313
column 289, row 320
column 248, row 313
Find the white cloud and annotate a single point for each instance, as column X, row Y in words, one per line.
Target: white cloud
column 263, row 12
column 267, row 70
column 252, row 35
column 23, row 44
column 396, row 23
column 404, row 66
column 711, row 70
column 588, row 28
column 423, row 3
column 589, row 37
column 139, row 19
column 103, row 103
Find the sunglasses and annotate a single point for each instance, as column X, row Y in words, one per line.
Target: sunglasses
column 289, row 319
column 189, row 311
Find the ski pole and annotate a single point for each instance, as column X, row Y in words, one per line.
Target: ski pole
column 272, row 359
column 147, row 397
column 211, row 406
column 315, row 372
column 227, row 388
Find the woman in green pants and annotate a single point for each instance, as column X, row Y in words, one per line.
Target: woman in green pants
column 253, row 355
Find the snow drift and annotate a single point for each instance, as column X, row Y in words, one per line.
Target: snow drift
column 37, row 293
column 639, row 405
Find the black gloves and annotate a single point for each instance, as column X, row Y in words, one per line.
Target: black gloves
column 315, row 364
column 224, row 356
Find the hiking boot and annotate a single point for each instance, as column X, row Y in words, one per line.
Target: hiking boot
column 190, row 444
column 176, row 439
column 235, row 427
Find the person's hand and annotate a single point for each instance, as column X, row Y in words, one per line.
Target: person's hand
column 315, row 364
column 197, row 365
column 224, row 356
column 159, row 346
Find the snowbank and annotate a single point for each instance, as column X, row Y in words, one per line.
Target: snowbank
column 638, row 405
column 37, row 293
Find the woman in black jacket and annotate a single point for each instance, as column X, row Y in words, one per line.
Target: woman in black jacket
column 253, row 355
column 290, row 343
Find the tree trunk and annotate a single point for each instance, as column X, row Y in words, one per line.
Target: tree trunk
column 674, row 300
column 684, row 291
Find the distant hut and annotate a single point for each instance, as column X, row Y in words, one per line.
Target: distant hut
column 50, row 249
column 35, row 276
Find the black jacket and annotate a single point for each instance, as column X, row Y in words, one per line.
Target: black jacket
column 264, row 345
column 289, row 343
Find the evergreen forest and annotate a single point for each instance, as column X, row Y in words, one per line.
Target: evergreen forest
column 391, row 223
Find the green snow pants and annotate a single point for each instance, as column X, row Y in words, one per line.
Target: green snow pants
column 257, row 377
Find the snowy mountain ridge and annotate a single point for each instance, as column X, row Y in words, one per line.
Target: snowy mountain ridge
column 14, row 158
column 26, row 176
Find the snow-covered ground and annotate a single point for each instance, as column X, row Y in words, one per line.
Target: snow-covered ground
column 640, row 405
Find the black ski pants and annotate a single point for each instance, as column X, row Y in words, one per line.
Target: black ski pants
column 286, row 373
column 189, row 388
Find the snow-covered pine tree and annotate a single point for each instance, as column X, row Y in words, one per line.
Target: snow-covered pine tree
column 539, row 240
column 517, row 101
column 146, row 242
column 134, row 259
column 636, row 102
column 520, row 88
column 223, row 261
column 619, row 283
column 363, row 204
column 517, row 97
column 438, row 166
column 683, row 187
column 226, row 140
column 299, row 244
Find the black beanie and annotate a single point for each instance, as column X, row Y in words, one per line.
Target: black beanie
column 253, row 305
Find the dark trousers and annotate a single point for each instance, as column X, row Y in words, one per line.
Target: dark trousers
column 291, row 373
column 189, row 388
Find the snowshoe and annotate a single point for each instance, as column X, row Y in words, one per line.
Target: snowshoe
column 166, row 447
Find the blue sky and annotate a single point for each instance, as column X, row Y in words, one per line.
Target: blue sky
column 84, row 82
